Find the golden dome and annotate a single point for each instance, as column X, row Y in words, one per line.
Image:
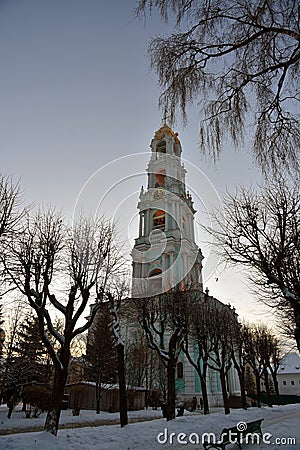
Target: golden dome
column 166, row 130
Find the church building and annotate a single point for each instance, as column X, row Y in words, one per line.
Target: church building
column 165, row 254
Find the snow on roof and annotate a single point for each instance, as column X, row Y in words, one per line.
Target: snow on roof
column 106, row 386
column 290, row 363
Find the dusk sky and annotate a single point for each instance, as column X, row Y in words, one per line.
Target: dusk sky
column 77, row 94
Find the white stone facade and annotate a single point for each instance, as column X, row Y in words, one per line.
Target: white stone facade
column 165, row 253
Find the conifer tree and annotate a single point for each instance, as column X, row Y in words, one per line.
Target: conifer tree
column 101, row 355
column 29, row 362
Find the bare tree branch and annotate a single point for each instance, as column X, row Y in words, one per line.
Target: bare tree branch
column 240, row 60
column 261, row 230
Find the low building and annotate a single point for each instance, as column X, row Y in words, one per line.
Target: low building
column 82, row 395
column 289, row 375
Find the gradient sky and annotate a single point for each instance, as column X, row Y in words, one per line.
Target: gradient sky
column 76, row 94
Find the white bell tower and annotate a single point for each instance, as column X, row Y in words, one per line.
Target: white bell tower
column 165, row 254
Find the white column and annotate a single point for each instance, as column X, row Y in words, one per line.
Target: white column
column 192, row 228
column 141, row 224
column 147, row 222
column 166, row 215
column 171, row 212
column 177, row 215
column 180, row 214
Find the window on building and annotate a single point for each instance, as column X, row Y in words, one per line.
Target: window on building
column 155, row 282
column 180, row 370
column 292, row 383
column 159, row 220
column 160, row 178
column 161, row 147
column 284, row 383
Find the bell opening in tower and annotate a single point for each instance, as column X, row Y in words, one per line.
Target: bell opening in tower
column 160, row 178
column 159, row 219
column 161, row 147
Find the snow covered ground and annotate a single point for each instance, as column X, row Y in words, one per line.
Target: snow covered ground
column 280, row 424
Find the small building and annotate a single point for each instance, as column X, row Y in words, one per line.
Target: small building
column 289, row 375
column 82, row 395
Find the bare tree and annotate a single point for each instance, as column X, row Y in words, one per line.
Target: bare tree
column 165, row 320
column 274, row 358
column 2, row 332
column 58, row 269
column 197, row 344
column 268, row 350
column 143, row 367
column 255, row 354
column 10, row 215
column 238, row 335
column 250, row 384
column 252, row 361
column 223, row 320
column 235, row 58
column 116, row 295
column 10, row 202
column 262, row 231
column 138, row 361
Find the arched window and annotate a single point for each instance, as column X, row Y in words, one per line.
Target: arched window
column 180, row 370
column 155, row 273
column 160, row 178
column 155, row 282
column 159, row 220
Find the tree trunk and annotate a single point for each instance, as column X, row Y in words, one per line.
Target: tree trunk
column 122, row 386
column 241, row 375
column 97, row 397
column 204, row 392
column 266, row 380
column 58, row 390
column 258, row 391
column 297, row 324
column 12, row 402
column 224, row 392
column 275, row 381
column 171, row 394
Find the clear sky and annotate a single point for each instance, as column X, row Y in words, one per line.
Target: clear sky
column 76, row 94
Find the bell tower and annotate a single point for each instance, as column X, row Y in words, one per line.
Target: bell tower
column 165, row 254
